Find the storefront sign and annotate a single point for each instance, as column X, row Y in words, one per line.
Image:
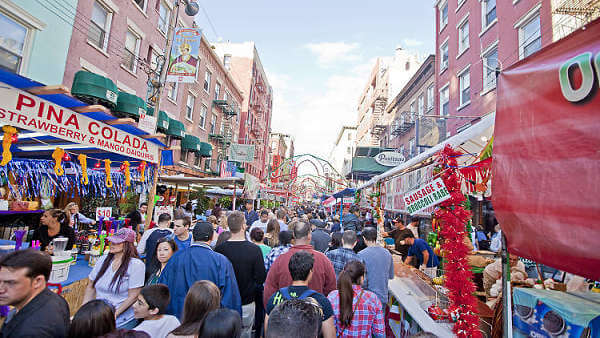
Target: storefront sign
column 243, row 153
column 105, row 212
column 147, row 123
column 23, row 110
column 389, row 158
column 184, row 62
column 426, row 196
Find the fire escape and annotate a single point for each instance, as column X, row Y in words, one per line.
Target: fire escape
column 378, row 126
column 224, row 137
column 569, row 15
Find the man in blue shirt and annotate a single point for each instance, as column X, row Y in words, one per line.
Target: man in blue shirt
column 422, row 252
column 200, row 262
column 380, row 265
column 181, row 230
column 250, row 213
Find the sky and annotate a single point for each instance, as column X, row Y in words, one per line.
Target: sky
column 318, row 54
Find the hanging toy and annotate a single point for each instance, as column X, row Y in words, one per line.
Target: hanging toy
column 109, row 182
column 125, row 169
column 83, row 162
column 57, row 155
column 66, row 157
column 142, row 169
column 10, row 137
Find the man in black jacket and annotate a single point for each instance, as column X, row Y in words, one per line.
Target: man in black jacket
column 37, row 312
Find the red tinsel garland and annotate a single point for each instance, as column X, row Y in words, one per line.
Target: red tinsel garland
column 453, row 218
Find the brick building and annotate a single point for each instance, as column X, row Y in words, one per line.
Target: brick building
column 115, row 40
column 411, row 112
column 255, row 120
column 387, row 78
column 473, row 37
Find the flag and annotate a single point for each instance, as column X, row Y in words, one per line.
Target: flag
column 227, row 169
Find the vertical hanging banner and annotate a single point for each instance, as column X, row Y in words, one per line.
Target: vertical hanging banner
column 546, row 158
column 184, row 61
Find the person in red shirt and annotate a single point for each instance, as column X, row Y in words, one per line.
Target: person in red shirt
column 323, row 280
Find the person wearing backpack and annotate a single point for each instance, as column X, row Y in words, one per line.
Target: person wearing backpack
column 301, row 270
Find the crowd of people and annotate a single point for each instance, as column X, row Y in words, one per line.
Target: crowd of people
column 266, row 273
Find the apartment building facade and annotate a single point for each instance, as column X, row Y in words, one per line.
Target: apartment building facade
column 414, row 127
column 387, row 78
column 342, row 151
column 121, row 40
column 35, row 37
column 281, row 150
column 473, row 39
column 243, row 62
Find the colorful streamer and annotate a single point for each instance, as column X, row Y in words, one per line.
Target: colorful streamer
column 57, row 155
column 7, row 141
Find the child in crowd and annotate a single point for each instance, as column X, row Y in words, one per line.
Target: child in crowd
column 151, row 306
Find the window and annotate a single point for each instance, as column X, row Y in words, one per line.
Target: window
column 444, row 54
column 13, row 37
column 464, row 80
column 421, row 105
column 430, row 97
column 207, row 77
column 164, row 13
column 207, row 164
column 530, row 37
column 184, row 155
column 412, row 147
column 213, row 124
column 202, row 119
column 217, row 90
column 189, row 107
column 413, row 110
column 197, row 160
column 141, row 4
column 444, row 101
column 401, row 149
column 100, row 26
column 488, row 13
column 443, row 8
column 132, row 48
column 463, row 36
column 172, row 87
column 227, row 61
column 226, row 96
column 490, row 63
column 153, row 59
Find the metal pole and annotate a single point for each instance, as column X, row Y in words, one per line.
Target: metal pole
column 151, row 197
column 234, row 197
column 161, row 81
column 506, row 292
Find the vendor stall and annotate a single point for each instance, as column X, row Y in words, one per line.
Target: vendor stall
column 61, row 145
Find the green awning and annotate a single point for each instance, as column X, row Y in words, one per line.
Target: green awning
column 163, row 119
column 93, row 89
column 366, row 167
column 205, row 149
column 130, row 105
column 176, row 129
column 191, row 143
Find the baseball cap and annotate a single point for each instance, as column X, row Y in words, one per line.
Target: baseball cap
column 398, row 220
column 203, row 231
column 123, row 235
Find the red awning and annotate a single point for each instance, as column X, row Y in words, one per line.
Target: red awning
column 546, row 168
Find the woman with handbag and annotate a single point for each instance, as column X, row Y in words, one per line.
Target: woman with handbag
column 357, row 312
column 54, row 223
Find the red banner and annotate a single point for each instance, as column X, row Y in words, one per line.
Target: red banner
column 547, row 154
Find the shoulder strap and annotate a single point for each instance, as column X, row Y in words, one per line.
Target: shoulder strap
column 307, row 293
column 285, row 293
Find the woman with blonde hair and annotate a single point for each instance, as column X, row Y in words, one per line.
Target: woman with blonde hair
column 75, row 217
column 203, row 297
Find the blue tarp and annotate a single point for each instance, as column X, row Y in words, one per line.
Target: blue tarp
column 345, row 193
